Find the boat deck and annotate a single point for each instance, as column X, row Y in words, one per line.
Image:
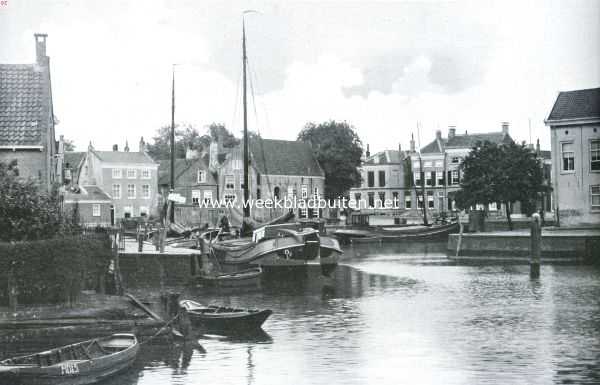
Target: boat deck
column 131, row 248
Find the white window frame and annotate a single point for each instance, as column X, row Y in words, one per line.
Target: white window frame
column 146, row 173
column 594, row 194
column 117, row 173
column 200, row 176
column 229, row 182
column 196, row 196
column 408, row 201
column 128, row 209
column 207, row 195
column 144, row 210
column 304, row 190
column 562, row 158
column 131, row 173
column 592, row 155
column 229, row 197
column 439, row 178
column 290, row 192
column 96, row 211
column 316, row 192
column 417, row 175
column 455, row 179
column 131, row 196
column 149, row 192
column 118, row 189
column 430, row 200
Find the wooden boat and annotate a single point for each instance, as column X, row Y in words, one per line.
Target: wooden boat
column 242, row 278
column 85, row 362
column 392, row 234
column 223, row 319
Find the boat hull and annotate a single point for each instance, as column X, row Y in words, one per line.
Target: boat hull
column 70, row 372
column 395, row 235
column 217, row 319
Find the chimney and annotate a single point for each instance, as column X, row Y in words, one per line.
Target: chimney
column 451, row 132
column 438, row 135
column 142, row 147
column 40, row 49
column 412, row 143
column 115, row 147
column 505, row 128
column 537, row 147
column 126, row 149
column 190, row 153
column 368, row 153
column 400, row 148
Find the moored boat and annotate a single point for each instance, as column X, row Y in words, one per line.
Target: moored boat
column 392, row 234
column 222, row 319
column 82, row 363
column 243, row 278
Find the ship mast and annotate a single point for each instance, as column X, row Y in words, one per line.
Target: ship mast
column 244, row 60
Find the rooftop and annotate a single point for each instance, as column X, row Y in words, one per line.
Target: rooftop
column 181, row 166
column 284, row 157
column 86, row 193
column 21, row 104
column 385, row 157
column 124, row 157
column 465, row 141
column 578, row 104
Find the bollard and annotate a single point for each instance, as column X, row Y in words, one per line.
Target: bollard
column 140, row 240
column 535, row 248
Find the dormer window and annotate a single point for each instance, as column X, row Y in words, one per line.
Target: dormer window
column 455, row 160
column 200, row 176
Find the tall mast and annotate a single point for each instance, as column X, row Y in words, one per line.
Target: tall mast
column 246, row 192
column 172, row 212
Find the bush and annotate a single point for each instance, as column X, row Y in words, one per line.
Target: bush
column 54, row 270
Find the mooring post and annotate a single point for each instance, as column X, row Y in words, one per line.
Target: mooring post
column 535, row 249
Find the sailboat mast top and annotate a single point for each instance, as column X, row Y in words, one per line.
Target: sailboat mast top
column 244, row 60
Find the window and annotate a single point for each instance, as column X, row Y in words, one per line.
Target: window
column 440, row 178
column 146, row 191
column 229, row 198
column 595, row 155
column 116, row 173
column 595, row 191
column 417, row 178
column 493, row 206
column 258, row 178
column 196, row 197
column 371, row 199
column 146, row 173
column 381, row 178
column 96, row 210
column 429, row 178
column 131, row 173
column 381, row 199
column 455, row 177
column 455, row 159
column 201, row 176
column 207, row 196
column 229, row 182
column 258, row 193
column 116, row 191
column 290, row 192
column 396, row 201
column 143, row 211
column 127, row 211
column 276, row 193
column 371, row 179
column 430, row 201
column 304, row 191
column 316, row 192
column 568, row 156
column 419, row 200
column 131, row 191
column 357, row 198
column 407, row 201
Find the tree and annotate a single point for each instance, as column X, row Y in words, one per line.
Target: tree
column 27, row 211
column 187, row 136
column 338, row 149
column 500, row 173
column 69, row 145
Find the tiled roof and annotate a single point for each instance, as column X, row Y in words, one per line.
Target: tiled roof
column 72, row 159
column 87, row 193
column 181, row 166
column 284, row 157
column 385, row 157
column 124, row 157
column 578, row 104
column 465, row 141
column 21, row 109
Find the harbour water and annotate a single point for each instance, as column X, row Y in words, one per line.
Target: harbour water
column 401, row 314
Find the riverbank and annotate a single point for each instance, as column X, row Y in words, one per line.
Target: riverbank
column 558, row 245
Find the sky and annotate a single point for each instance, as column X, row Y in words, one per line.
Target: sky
column 385, row 67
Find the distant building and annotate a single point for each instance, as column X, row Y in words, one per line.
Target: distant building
column 278, row 169
column 93, row 205
column 130, row 179
column 194, row 181
column 27, row 118
column 382, row 178
column 438, row 166
column 574, row 123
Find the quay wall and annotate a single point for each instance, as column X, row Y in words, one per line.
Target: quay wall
column 515, row 246
column 155, row 270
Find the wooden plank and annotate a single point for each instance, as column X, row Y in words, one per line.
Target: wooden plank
column 145, row 308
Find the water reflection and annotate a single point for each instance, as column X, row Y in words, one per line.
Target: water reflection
column 402, row 314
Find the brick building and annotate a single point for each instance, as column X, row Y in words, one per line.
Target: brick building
column 93, row 204
column 27, row 117
column 574, row 123
column 129, row 178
